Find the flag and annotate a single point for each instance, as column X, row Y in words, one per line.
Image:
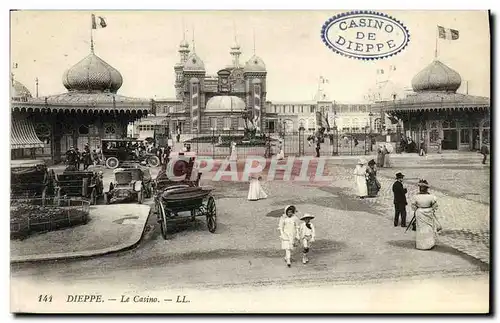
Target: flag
column 392, row 68
column 447, row 33
column 380, row 71
column 323, row 80
column 100, row 24
column 14, row 65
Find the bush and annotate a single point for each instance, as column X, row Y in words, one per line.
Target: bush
column 27, row 218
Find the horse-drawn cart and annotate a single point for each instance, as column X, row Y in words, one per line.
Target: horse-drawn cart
column 178, row 192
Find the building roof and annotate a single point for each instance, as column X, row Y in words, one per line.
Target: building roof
column 194, row 64
column 92, row 74
column 436, row 77
column 254, row 64
column 224, row 103
column 438, row 100
column 18, row 90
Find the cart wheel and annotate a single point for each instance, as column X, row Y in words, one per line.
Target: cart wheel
column 140, row 196
column 106, row 198
column 93, row 197
column 153, row 161
column 112, row 162
column 163, row 220
column 44, row 195
column 211, row 215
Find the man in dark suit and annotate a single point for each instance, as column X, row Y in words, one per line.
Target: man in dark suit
column 399, row 200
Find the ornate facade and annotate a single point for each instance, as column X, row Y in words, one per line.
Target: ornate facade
column 90, row 110
column 435, row 111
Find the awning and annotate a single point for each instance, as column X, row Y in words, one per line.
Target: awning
column 23, row 135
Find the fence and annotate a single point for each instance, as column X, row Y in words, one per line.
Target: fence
column 38, row 215
column 217, row 144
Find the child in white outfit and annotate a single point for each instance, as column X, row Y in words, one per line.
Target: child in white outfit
column 307, row 234
column 289, row 229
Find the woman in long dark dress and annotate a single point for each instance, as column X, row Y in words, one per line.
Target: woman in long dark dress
column 372, row 183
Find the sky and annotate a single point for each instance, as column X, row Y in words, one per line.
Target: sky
column 143, row 46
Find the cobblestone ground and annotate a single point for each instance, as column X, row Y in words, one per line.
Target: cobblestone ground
column 463, row 197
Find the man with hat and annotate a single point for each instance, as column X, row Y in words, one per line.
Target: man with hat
column 307, row 235
column 399, row 200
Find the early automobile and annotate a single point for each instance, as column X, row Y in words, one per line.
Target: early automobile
column 30, row 179
column 127, row 186
column 179, row 195
column 87, row 184
column 117, row 151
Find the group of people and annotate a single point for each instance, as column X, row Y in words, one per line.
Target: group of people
column 75, row 158
column 366, row 180
column 383, row 155
column 424, row 205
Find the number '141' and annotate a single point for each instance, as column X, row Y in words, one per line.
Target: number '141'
column 45, row 298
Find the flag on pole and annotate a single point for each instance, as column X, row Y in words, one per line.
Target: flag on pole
column 380, row 71
column 323, row 80
column 14, row 65
column 100, row 22
column 392, row 68
column 447, row 33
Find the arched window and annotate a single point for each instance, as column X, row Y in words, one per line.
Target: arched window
column 83, row 130
column 377, row 124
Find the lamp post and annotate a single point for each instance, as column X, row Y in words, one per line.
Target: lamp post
column 366, row 138
column 335, row 147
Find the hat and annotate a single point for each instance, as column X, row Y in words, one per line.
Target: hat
column 399, row 175
column 307, row 216
column 290, row 207
column 361, row 161
column 372, row 162
column 423, row 183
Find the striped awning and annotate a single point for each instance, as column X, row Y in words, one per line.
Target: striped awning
column 23, row 135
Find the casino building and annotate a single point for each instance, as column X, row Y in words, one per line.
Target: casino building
column 90, row 110
column 436, row 111
column 204, row 103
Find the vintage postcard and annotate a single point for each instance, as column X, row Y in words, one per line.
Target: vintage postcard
column 250, row 161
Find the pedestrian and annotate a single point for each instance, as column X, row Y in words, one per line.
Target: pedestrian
column 234, row 155
column 380, row 156
column 372, row 182
column 485, row 150
column 400, row 202
column 360, row 178
column 288, row 228
column 178, row 137
column 307, row 235
column 387, row 150
column 255, row 190
column 318, row 147
column 86, row 157
column 95, row 157
column 78, row 159
column 425, row 206
column 422, row 148
column 281, row 153
column 356, row 142
column 439, row 143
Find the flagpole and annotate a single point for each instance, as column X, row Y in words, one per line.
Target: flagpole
column 436, row 48
column 91, row 33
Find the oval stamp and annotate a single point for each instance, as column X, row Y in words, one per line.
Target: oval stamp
column 365, row 35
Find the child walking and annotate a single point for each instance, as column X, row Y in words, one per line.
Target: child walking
column 289, row 229
column 307, row 235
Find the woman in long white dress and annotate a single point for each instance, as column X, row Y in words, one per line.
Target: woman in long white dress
column 360, row 178
column 425, row 205
column 233, row 156
column 281, row 154
column 255, row 191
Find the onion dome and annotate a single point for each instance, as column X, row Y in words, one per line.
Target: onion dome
column 92, row 74
column 436, row 77
column 18, row 90
column 255, row 64
column 224, row 103
column 194, row 64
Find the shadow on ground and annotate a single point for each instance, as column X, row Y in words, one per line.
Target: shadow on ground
column 410, row 245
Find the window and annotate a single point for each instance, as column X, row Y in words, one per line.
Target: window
column 109, row 130
column 213, row 123
column 355, row 125
column 464, row 136
column 293, row 109
column 227, row 123
column 377, row 124
column 302, row 109
column 241, row 123
column 83, row 130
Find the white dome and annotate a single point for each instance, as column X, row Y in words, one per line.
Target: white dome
column 225, row 104
column 194, row 63
column 255, row 64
